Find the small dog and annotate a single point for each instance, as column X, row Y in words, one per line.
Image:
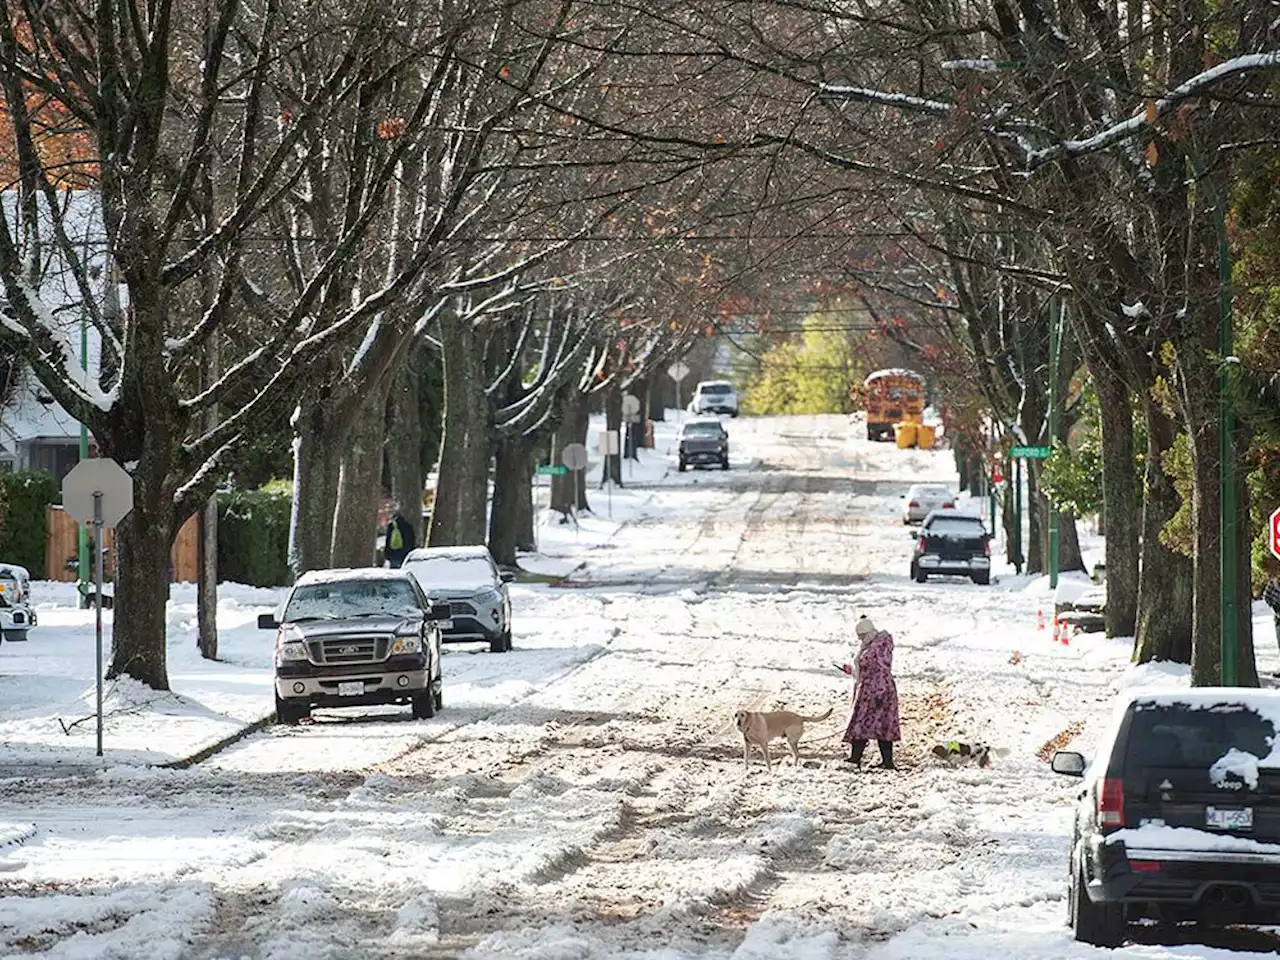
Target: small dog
column 759, row 727
column 953, row 753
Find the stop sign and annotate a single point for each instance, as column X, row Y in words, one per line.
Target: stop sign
column 1274, row 532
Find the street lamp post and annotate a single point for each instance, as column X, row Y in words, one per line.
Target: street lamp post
column 1055, row 417
column 1229, row 534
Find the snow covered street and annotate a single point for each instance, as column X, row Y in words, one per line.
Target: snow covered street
column 584, row 796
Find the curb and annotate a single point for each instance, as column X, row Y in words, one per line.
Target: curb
column 205, row 753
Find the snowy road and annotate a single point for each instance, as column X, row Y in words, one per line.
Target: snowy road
column 597, row 807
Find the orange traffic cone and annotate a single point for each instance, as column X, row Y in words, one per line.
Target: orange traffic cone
column 1040, row 618
column 1057, row 635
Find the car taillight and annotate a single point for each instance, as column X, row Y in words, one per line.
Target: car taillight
column 986, row 547
column 949, row 505
column 1144, row 866
column 920, row 545
column 914, row 503
column 1111, row 802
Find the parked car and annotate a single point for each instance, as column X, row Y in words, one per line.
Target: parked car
column 952, row 543
column 16, row 615
column 1178, row 817
column 715, row 396
column 703, row 443
column 354, row 638
column 467, row 579
column 923, row 498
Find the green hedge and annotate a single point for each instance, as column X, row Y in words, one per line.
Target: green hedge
column 24, row 531
column 253, row 537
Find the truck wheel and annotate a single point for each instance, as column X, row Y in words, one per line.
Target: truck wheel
column 982, row 579
column 15, row 636
column 424, row 705
column 1099, row 924
column 724, row 464
column 501, row 643
column 921, row 576
column 290, row 713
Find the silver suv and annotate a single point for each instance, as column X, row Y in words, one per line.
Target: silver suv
column 467, row 579
column 352, row 638
column 715, row 396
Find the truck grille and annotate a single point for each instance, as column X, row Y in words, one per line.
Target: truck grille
column 457, row 609
column 339, row 650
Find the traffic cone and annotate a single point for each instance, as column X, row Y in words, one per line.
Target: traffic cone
column 1057, row 636
column 1039, row 618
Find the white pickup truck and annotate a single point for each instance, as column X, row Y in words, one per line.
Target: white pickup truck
column 16, row 615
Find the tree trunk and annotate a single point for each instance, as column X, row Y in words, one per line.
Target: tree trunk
column 462, row 492
column 643, row 389
column 611, row 467
column 139, row 622
column 1069, row 557
column 512, row 498
column 1164, row 577
column 207, row 533
column 355, row 515
column 1037, row 530
column 316, row 463
column 655, row 408
column 404, row 444
column 1120, row 502
column 569, row 490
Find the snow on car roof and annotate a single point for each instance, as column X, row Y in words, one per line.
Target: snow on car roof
column 430, row 553
column 1200, row 697
column 338, row 575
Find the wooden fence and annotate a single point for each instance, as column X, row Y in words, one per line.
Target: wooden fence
column 62, row 543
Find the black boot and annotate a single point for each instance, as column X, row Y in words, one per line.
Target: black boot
column 855, row 752
column 886, row 755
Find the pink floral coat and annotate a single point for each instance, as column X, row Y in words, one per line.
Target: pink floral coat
column 875, row 695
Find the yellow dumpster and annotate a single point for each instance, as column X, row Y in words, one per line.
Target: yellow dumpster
column 905, row 434
column 924, row 436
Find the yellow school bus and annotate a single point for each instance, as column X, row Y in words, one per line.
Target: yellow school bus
column 891, row 396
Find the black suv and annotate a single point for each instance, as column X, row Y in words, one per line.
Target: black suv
column 703, row 443
column 949, row 542
column 1179, row 815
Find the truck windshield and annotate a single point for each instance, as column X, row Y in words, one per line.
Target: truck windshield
column 351, row 598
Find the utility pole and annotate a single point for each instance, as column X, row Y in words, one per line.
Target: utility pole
column 1055, row 419
column 1229, row 534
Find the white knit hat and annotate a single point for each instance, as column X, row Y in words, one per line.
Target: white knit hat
column 865, row 628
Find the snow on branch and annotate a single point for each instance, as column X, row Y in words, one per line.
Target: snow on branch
column 935, row 107
column 1193, row 87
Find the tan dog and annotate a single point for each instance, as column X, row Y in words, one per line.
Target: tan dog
column 759, row 727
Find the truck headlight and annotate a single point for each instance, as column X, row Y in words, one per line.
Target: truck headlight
column 293, row 650
column 406, row 645
column 487, row 596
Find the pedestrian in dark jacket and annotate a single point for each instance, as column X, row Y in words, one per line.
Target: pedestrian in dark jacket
column 399, row 539
column 875, row 696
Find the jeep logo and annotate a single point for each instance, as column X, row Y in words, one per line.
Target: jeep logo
column 1231, row 785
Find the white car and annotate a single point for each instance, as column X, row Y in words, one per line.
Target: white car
column 923, row 498
column 16, row 615
column 715, row 396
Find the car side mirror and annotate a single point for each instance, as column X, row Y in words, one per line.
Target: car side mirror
column 507, row 577
column 441, row 611
column 267, row 621
column 1069, row 763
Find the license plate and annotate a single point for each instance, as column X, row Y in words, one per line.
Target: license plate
column 353, row 688
column 1235, row 818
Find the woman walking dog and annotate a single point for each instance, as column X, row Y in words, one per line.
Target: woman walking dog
column 875, row 696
